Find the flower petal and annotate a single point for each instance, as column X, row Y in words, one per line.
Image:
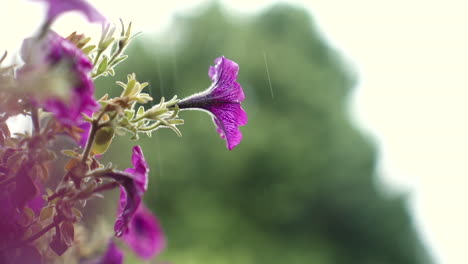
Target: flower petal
column 140, row 168
column 228, row 117
column 57, row 7
column 145, row 235
column 131, row 191
column 224, row 77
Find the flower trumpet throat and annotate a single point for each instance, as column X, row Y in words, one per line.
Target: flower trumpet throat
column 222, row 100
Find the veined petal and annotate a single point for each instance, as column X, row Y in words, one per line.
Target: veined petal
column 228, row 117
column 225, row 86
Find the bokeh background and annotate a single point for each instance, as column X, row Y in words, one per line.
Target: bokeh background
column 301, row 187
column 354, row 151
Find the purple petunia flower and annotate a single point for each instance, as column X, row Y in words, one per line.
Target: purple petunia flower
column 223, row 100
column 60, row 72
column 131, row 191
column 57, row 7
column 145, row 235
column 81, row 98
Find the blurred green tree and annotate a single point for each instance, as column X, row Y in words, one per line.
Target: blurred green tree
column 301, row 187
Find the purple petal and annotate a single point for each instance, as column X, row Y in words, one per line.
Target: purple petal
column 145, row 236
column 37, row 203
column 225, row 86
column 86, row 127
column 69, row 112
column 228, row 117
column 140, row 168
column 131, row 191
column 57, row 7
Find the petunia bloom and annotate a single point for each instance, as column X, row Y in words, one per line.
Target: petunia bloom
column 58, row 74
column 57, row 7
column 145, row 236
column 223, row 100
column 131, row 191
column 81, row 98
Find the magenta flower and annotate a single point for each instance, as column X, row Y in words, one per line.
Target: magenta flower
column 57, row 7
column 223, row 100
column 81, row 98
column 131, row 191
column 61, row 73
column 145, row 236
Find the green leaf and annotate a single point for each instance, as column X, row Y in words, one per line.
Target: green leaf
column 103, row 140
column 88, row 49
column 103, row 65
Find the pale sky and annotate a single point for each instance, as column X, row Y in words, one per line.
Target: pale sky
column 412, row 58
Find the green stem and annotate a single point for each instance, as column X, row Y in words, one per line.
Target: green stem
column 98, row 55
column 95, row 126
column 90, row 142
column 150, row 128
column 138, row 119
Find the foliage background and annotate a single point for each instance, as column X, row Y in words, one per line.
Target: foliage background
column 301, row 187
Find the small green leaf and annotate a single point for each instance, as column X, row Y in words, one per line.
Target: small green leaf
column 46, row 213
column 103, row 140
column 103, row 65
column 88, row 49
column 118, row 60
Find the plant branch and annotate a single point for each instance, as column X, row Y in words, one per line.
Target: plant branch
column 35, row 119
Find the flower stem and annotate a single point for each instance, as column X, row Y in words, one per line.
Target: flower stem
column 94, row 128
column 90, row 142
column 38, row 234
column 35, row 119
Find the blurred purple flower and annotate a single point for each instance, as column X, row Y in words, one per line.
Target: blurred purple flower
column 57, row 7
column 131, row 191
column 223, row 100
column 58, row 74
column 13, row 198
column 81, row 98
column 145, row 235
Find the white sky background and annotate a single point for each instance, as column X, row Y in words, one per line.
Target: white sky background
column 412, row 57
